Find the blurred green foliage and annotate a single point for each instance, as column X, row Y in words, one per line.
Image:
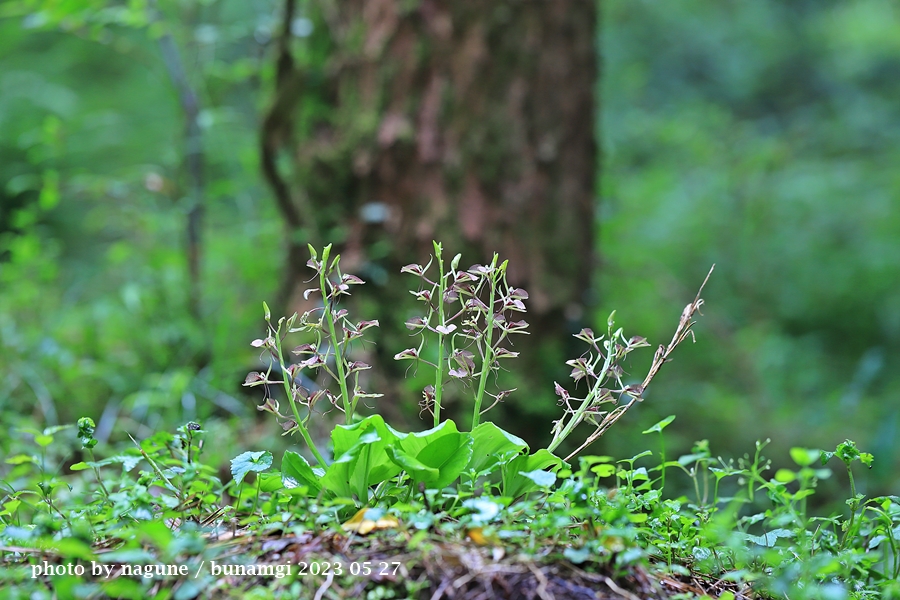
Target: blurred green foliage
column 94, row 307
column 761, row 136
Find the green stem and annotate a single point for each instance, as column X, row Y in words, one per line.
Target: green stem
column 662, row 453
column 854, row 503
column 439, row 371
column 256, row 499
column 286, row 380
column 488, row 348
column 237, row 499
column 588, row 400
column 338, row 356
column 97, row 473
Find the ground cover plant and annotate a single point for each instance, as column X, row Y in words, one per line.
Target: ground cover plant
column 457, row 510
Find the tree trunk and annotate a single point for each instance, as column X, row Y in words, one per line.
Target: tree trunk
column 466, row 122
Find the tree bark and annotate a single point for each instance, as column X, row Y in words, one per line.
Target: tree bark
column 466, row 122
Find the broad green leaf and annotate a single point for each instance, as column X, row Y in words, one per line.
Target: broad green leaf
column 295, row 471
column 361, row 460
column 540, row 478
column 341, row 478
column 491, row 446
column 442, row 448
column 270, row 482
column 247, row 462
column 449, row 455
column 413, row 443
column 419, row 471
column 515, row 483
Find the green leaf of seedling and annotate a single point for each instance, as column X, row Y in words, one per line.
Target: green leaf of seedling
column 848, row 452
column 640, row 474
column 785, row 476
column 769, row 538
column 43, row 440
column 56, row 429
column 128, row 463
column 516, row 483
column 634, row 458
column 687, row 459
column 10, row 508
column 604, row 470
column 491, row 446
column 587, row 464
column 247, row 462
column 20, row 459
column 296, row 471
column 660, row 426
column 804, row 457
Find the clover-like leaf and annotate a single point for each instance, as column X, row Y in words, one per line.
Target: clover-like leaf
column 247, row 462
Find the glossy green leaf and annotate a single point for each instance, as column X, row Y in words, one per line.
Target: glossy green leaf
column 492, row 445
column 296, row 471
column 442, row 448
column 419, row 471
column 516, row 483
column 361, row 460
column 542, row 479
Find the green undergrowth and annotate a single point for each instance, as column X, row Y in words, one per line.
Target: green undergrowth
column 462, row 508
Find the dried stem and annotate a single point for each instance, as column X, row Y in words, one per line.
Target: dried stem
column 661, row 357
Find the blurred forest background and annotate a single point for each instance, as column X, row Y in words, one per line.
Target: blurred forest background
column 139, row 233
